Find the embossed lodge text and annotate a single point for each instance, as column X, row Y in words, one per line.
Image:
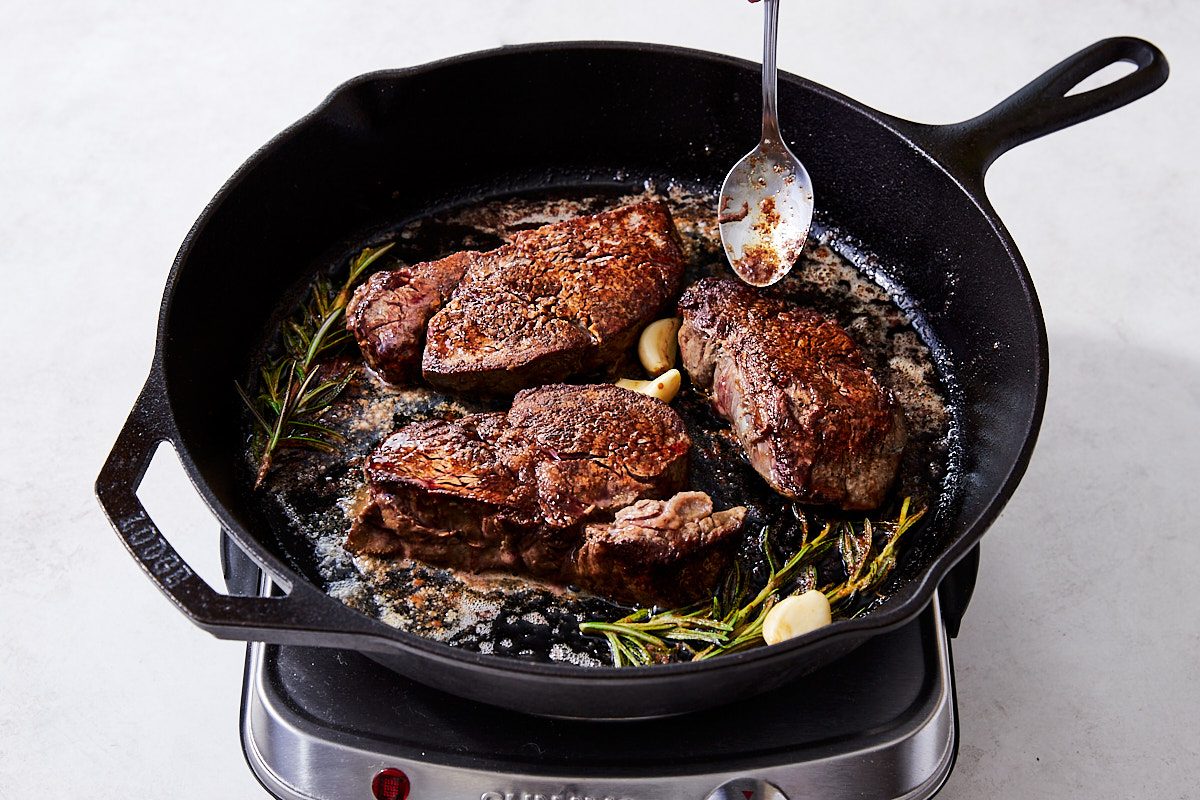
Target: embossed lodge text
column 149, row 546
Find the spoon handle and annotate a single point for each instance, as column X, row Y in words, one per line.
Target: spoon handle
column 770, row 115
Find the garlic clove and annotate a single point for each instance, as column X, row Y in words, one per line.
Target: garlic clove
column 664, row 387
column 796, row 615
column 657, row 345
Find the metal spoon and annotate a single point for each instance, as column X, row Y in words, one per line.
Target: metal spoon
column 766, row 204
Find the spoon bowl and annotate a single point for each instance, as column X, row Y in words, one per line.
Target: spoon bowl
column 766, row 204
column 765, row 212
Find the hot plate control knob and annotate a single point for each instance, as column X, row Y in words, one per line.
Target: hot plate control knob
column 746, row 789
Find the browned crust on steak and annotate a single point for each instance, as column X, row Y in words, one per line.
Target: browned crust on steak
column 813, row 419
column 514, row 491
column 556, row 301
column 601, row 448
column 388, row 313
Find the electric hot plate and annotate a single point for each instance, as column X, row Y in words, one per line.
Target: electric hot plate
column 334, row 725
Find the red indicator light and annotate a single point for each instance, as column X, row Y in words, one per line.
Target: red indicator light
column 390, row 784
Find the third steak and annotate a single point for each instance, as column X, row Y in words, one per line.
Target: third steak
column 812, row 417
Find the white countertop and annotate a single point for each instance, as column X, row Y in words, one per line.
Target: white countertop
column 1077, row 664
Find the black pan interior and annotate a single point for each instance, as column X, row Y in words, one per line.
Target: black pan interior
column 389, row 147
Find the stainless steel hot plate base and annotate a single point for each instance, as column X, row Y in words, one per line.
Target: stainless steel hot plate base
column 880, row 723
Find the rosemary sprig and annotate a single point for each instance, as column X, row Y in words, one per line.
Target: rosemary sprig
column 730, row 622
column 291, row 396
column 747, row 620
column 879, row 567
column 723, row 624
column 644, row 637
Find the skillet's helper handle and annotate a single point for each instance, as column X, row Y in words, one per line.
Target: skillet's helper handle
column 1044, row 106
column 294, row 619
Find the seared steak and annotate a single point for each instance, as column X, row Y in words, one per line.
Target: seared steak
column 556, row 301
column 387, row 314
column 813, row 419
column 513, row 491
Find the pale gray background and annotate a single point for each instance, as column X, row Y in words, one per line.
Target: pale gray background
column 1077, row 666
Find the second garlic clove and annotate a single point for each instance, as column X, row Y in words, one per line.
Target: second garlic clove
column 664, row 387
column 796, row 615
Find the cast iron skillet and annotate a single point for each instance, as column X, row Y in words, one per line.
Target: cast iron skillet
column 568, row 115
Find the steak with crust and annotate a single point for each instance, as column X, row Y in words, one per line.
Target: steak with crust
column 554, row 302
column 810, row 414
column 514, row 491
column 388, row 313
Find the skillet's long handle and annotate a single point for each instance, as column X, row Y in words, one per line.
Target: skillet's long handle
column 1043, row 106
column 297, row 618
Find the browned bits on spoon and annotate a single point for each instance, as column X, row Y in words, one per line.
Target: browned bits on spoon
column 758, row 263
column 733, row 216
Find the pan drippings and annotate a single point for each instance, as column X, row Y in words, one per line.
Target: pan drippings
column 311, row 495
